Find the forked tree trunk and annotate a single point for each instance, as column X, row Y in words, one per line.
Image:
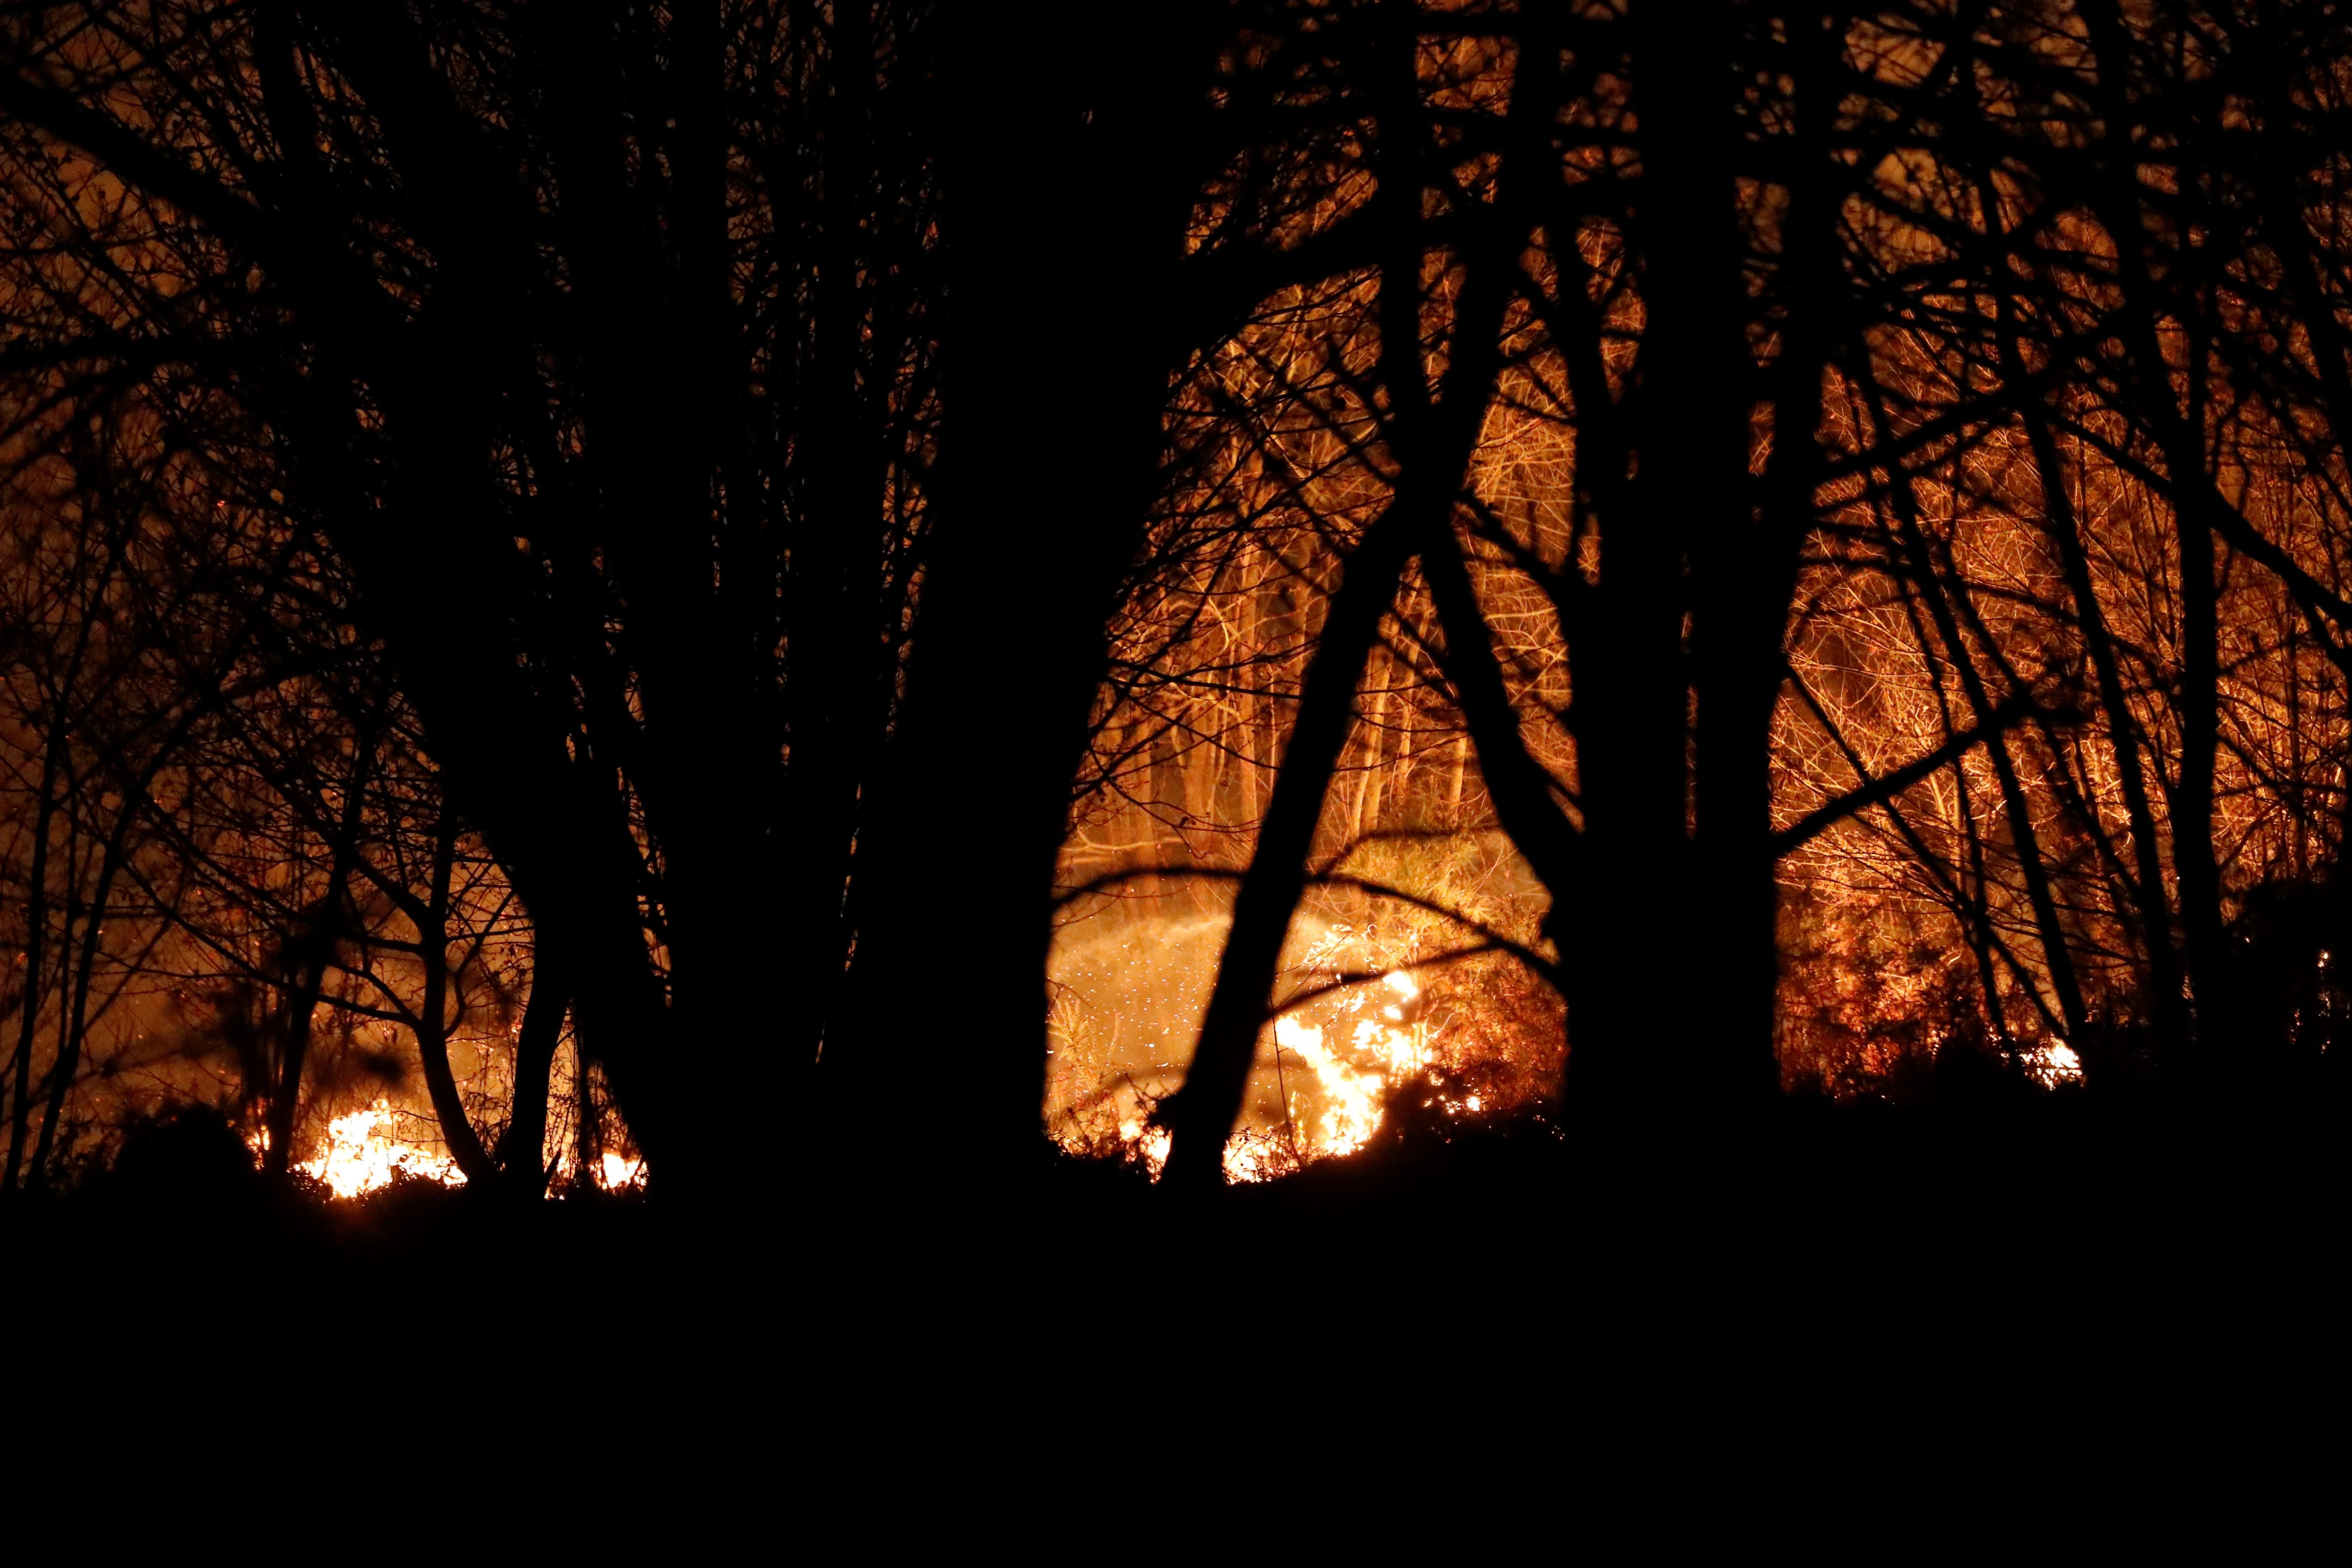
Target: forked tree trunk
column 1432, row 441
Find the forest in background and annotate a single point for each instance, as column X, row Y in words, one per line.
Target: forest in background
column 662, row 589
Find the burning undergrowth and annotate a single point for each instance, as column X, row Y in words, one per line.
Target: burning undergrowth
column 1382, row 1030
column 379, row 1145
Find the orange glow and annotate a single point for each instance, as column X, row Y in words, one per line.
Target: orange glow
column 620, row 1172
column 1337, row 1110
column 361, row 1157
column 362, row 1154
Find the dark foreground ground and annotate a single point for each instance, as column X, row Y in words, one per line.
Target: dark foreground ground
column 1975, row 1310
column 1908, row 1331
column 1845, row 1233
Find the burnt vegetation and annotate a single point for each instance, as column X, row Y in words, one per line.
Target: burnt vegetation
column 662, row 605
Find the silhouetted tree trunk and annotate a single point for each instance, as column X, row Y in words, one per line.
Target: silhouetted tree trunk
column 521, row 1151
column 2191, row 802
column 37, row 916
column 1669, row 814
column 1046, row 472
column 309, row 953
column 1433, row 440
column 433, row 1019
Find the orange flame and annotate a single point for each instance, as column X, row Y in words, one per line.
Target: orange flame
column 1351, row 1082
column 362, row 1155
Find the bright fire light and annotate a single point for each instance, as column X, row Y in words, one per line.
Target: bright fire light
column 1340, row 1108
column 361, row 1155
column 2056, row 1064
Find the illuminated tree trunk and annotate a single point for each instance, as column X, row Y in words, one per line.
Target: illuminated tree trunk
column 1205, row 799
column 1366, row 817
column 1252, row 710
